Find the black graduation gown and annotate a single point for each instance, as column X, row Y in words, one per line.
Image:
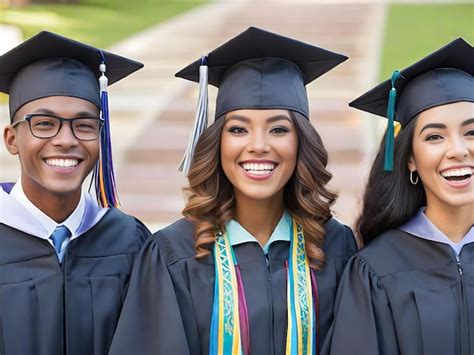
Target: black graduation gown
column 405, row 295
column 169, row 303
column 48, row 308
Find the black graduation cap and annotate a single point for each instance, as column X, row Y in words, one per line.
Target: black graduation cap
column 257, row 69
column 442, row 77
column 261, row 69
column 48, row 64
column 447, row 73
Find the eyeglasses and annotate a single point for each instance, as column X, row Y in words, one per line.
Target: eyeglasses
column 46, row 126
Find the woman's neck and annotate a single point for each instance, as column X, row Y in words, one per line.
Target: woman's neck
column 453, row 222
column 259, row 217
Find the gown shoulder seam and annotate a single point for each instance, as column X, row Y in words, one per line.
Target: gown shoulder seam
column 162, row 242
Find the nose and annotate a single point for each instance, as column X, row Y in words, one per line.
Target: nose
column 258, row 143
column 65, row 137
column 460, row 148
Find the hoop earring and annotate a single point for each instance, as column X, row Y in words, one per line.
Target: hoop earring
column 413, row 181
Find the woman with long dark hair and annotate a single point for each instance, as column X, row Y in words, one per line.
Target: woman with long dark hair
column 254, row 265
column 410, row 290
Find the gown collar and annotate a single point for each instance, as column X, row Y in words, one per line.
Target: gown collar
column 420, row 226
column 238, row 235
column 72, row 222
column 19, row 215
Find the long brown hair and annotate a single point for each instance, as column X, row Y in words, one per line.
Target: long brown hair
column 211, row 201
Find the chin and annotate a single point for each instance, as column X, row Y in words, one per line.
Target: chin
column 63, row 188
column 260, row 194
column 459, row 202
column 257, row 196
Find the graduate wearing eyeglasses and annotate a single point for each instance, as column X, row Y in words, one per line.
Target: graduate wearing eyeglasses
column 65, row 256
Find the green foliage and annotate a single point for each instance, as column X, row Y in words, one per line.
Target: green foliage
column 98, row 22
column 414, row 30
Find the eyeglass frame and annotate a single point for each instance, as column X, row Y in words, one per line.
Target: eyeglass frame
column 29, row 117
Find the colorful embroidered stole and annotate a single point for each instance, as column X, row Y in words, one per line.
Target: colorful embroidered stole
column 301, row 317
column 225, row 322
column 229, row 324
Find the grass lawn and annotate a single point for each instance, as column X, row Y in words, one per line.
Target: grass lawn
column 414, row 30
column 97, row 22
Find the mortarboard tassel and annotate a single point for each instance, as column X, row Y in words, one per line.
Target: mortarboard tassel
column 104, row 176
column 200, row 120
column 390, row 135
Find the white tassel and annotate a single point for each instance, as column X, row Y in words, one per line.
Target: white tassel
column 103, row 80
column 200, row 121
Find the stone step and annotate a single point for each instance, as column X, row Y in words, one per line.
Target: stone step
column 167, row 208
column 160, row 179
column 151, row 208
column 9, row 172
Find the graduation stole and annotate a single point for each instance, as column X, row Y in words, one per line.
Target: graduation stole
column 229, row 332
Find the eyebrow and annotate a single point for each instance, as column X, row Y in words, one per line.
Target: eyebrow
column 443, row 126
column 77, row 114
column 468, row 122
column 433, row 125
column 268, row 120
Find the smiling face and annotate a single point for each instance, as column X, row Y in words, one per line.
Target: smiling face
column 443, row 154
column 56, row 166
column 259, row 150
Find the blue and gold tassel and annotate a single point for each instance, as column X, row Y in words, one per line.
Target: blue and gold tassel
column 104, row 176
column 390, row 135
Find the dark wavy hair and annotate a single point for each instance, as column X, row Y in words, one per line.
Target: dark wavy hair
column 211, row 201
column 390, row 200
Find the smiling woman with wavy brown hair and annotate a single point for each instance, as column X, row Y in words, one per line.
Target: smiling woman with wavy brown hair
column 254, row 265
column 211, row 199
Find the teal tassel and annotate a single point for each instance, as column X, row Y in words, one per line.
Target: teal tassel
column 390, row 135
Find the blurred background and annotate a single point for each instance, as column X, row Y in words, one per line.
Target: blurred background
column 152, row 112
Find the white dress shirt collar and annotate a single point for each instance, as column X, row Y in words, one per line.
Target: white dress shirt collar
column 72, row 222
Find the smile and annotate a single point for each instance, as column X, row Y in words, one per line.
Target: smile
column 459, row 178
column 62, row 163
column 457, row 174
column 259, row 168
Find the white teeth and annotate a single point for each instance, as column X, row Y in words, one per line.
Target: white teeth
column 258, row 169
column 457, row 172
column 62, row 163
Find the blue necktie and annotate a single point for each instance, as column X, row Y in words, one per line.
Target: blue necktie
column 59, row 235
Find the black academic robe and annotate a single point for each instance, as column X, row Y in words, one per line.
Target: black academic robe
column 48, row 308
column 169, row 304
column 405, row 295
